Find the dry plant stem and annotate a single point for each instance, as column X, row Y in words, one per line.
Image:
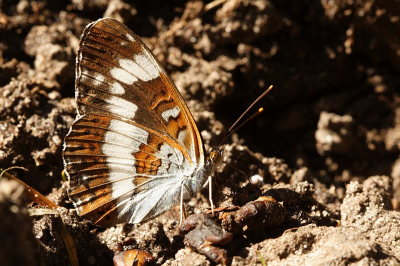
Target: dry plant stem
column 213, row 4
column 31, row 193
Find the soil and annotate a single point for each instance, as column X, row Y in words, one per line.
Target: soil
column 326, row 147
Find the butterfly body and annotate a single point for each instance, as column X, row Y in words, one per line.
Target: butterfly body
column 134, row 150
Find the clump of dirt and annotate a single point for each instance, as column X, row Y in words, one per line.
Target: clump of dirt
column 326, row 148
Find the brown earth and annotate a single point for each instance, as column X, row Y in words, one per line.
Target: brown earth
column 327, row 145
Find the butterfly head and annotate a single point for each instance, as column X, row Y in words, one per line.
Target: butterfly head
column 215, row 156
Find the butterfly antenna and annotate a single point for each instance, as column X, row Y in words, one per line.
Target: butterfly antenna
column 231, row 130
column 245, row 112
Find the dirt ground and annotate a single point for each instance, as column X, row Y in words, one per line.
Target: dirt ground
column 326, row 147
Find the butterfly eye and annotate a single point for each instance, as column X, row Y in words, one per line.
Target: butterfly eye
column 215, row 156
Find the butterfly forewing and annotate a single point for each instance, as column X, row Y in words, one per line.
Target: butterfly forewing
column 117, row 74
column 134, row 135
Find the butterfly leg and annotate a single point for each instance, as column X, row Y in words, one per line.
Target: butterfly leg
column 209, row 181
column 183, row 186
column 181, row 205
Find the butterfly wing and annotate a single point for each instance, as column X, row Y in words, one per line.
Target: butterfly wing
column 134, row 139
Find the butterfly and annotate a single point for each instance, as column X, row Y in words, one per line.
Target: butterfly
column 134, row 150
